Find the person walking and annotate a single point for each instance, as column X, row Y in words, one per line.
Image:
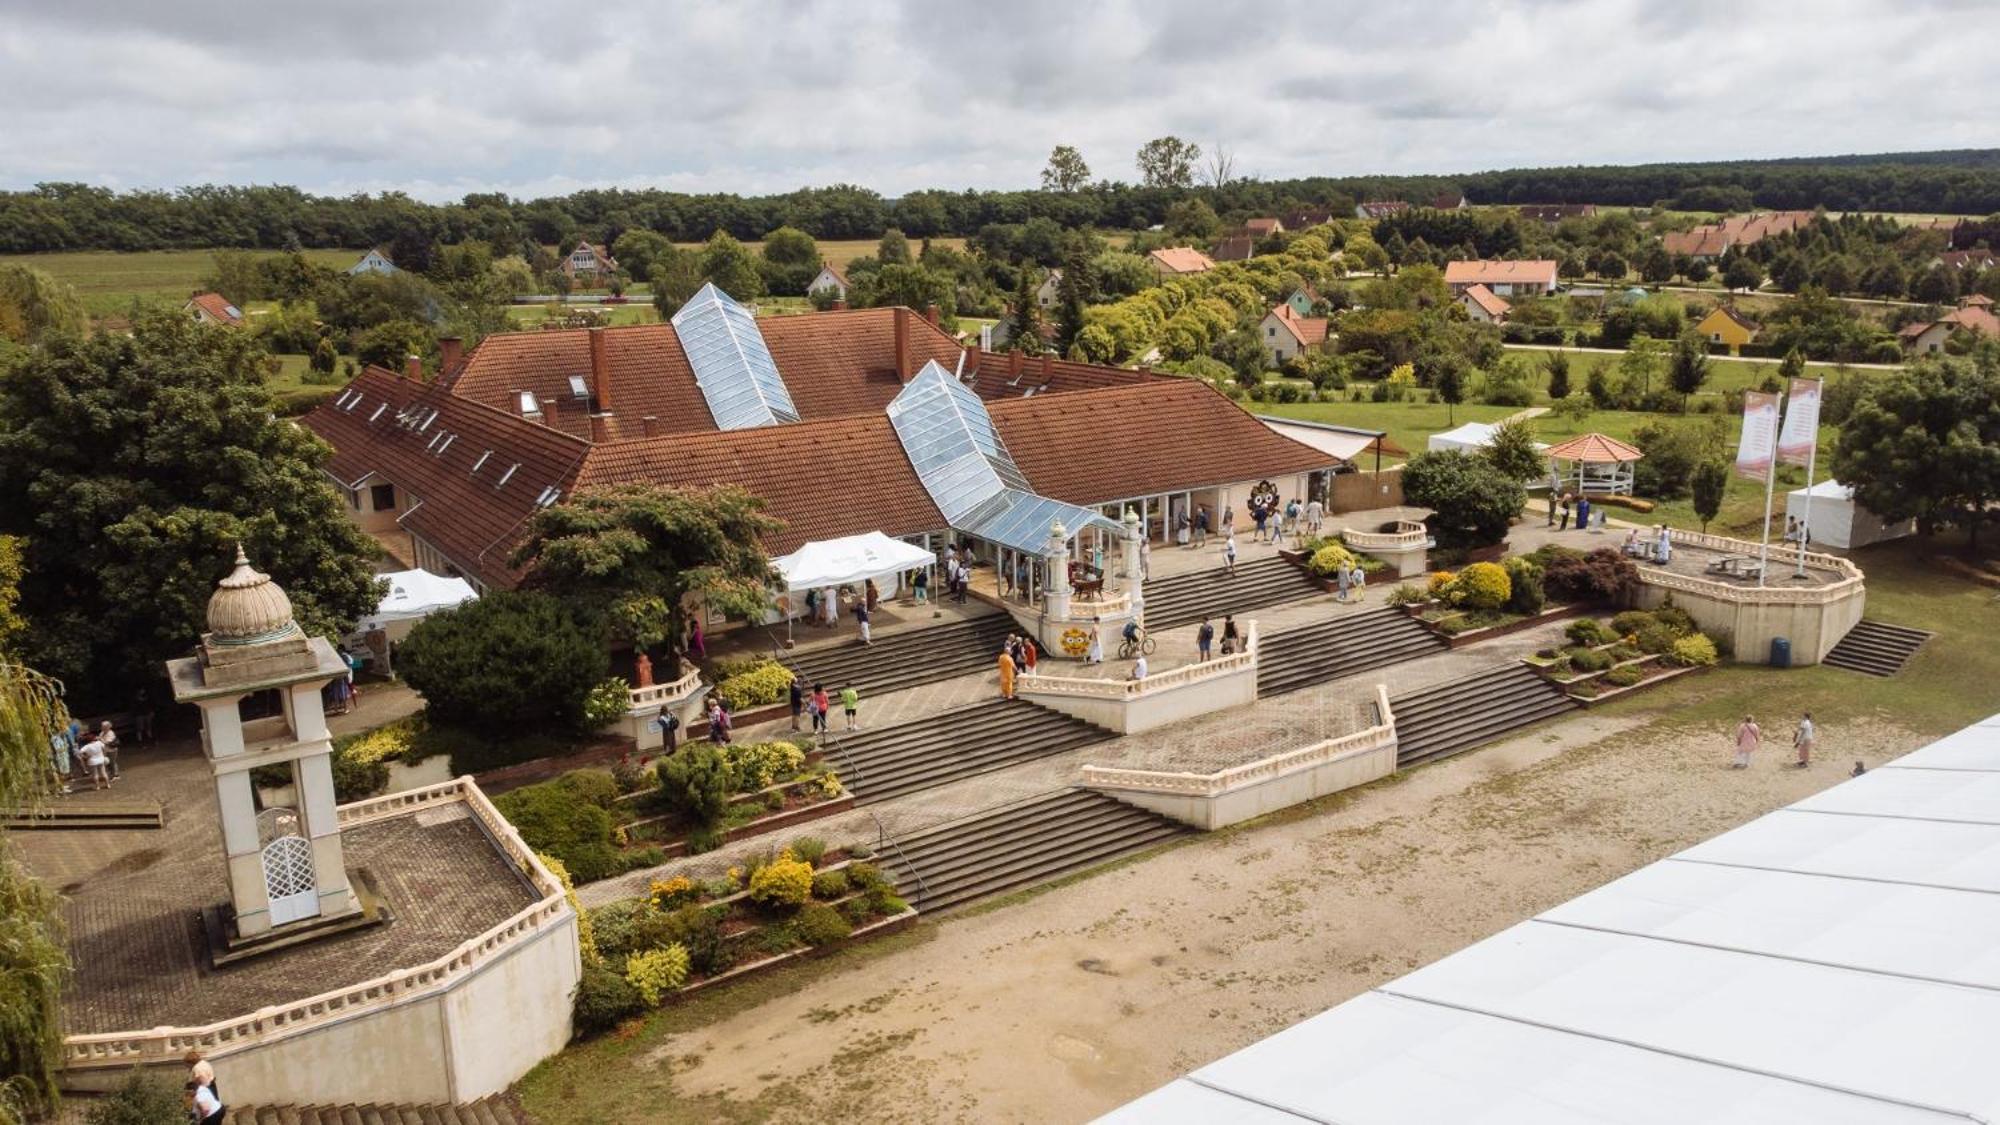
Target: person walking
column 850, row 703
column 697, row 645
column 1315, row 517
column 1663, row 547
column 1357, row 580
column 142, row 716
column 1200, row 528
column 1583, row 513
column 204, row 1108
column 1094, row 654
column 872, row 593
column 61, row 760
column 97, row 764
column 797, row 692
column 1564, row 525
column 1259, row 513
column 1229, row 556
column 820, row 706
column 1231, row 639
column 1203, row 637
column 1028, row 655
column 723, row 723
column 1006, row 664
column 920, row 585
column 1341, row 571
column 1748, row 735
column 1145, row 560
column 1803, row 739
column 861, row 619
column 1229, row 519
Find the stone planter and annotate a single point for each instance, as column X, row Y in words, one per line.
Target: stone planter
column 1474, row 636
column 879, row 928
column 1587, row 702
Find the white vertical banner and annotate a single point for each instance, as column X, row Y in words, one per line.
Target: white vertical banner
column 1758, row 445
column 1797, row 442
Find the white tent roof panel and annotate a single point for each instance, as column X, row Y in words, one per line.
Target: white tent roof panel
column 416, row 593
column 1974, row 748
column 847, row 560
column 1338, row 444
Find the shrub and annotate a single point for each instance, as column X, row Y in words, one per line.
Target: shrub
column 1328, row 560
column 811, row 849
column 695, row 784
column 1585, row 631
column 1589, row 660
column 606, row 703
column 829, row 885
column 1694, row 651
column 400, row 740
column 670, row 893
column 1624, row 676
column 785, row 881
column 1675, row 618
column 656, row 972
column 703, row 840
column 1631, row 621
column 596, row 786
column 1472, row 503
column 1604, row 575
column 1482, row 585
column 552, row 818
column 1622, row 652
column 1406, row 594
column 820, row 924
column 508, row 661
column 629, row 775
column 144, row 1099
column 1524, row 580
column 354, row 779
column 757, row 765
column 1656, row 638
column 1439, row 584
column 723, row 667
column 604, row 999
column 754, row 687
column 696, row 929
column 619, row 926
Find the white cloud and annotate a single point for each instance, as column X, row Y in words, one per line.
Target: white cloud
column 450, row 96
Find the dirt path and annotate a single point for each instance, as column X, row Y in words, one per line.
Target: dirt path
column 1068, row 1004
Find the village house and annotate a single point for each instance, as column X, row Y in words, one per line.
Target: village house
column 1262, row 228
column 374, row 261
column 1303, row 300
column 1287, row 334
column 1973, row 314
column 1527, row 277
column 1724, row 325
column 829, row 278
column 588, row 264
column 1236, row 248
column 1967, row 259
column 1449, row 201
column 213, row 308
column 1380, row 208
column 1708, row 242
column 1553, row 213
column 1304, row 218
column 1178, row 261
column 1483, row 305
column 1050, row 290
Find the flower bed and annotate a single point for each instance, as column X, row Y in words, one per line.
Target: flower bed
column 1637, row 649
column 686, row 935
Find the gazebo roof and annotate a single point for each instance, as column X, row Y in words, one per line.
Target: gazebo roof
column 1595, row 448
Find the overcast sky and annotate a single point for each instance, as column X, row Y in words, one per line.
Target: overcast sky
column 442, row 97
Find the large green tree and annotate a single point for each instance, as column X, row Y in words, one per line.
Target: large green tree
column 1687, row 368
column 791, row 261
column 1472, row 503
column 1167, row 162
column 33, row 305
column 33, row 961
column 1065, row 171
column 132, row 465
column 1024, row 315
column 643, row 555
column 730, row 265
column 1924, row 444
column 1073, row 295
column 676, row 276
column 509, row 661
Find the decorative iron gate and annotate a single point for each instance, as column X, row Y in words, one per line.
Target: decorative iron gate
column 288, row 879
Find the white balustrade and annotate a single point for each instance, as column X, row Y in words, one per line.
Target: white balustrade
column 1408, row 535
column 1848, row 581
column 654, row 695
column 1183, row 783
column 1097, row 687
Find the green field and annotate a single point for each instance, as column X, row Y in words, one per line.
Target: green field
column 842, row 251
column 109, row 281
column 1724, row 373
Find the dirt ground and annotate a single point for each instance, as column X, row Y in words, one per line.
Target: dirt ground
column 1065, row 1006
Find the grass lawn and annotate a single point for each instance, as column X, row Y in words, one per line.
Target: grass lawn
column 637, row 312
column 108, row 281
column 1724, row 373
column 1407, row 423
column 295, row 395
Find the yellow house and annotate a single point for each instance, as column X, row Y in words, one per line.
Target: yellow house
column 1726, row 326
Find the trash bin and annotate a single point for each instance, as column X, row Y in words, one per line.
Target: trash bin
column 1781, row 652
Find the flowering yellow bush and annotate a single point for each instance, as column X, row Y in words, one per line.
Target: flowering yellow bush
column 830, row 786
column 1483, row 585
column 736, row 875
column 657, row 972
column 1440, row 583
column 669, row 893
column 1695, row 651
column 755, row 686
column 586, row 939
column 1330, row 558
column 1403, row 376
column 756, row 765
column 392, row 740
column 785, row 881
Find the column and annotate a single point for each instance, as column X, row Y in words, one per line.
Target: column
column 314, row 776
column 1133, row 581
column 1055, row 557
column 237, row 807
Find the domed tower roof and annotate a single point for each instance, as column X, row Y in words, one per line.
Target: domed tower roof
column 248, row 608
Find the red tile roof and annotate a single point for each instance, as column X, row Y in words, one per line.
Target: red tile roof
column 1594, row 448
column 1306, row 217
column 1262, row 227
column 1973, row 317
column 1492, row 272
column 1236, row 248
column 1488, row 300
column 1738, row 230
column 1094, row 447
column 1701, row 242
column 218, row 308
column 1182, row 259
column 1381, row 208
column 1309, row 331
column 998, row 375
column 1743, row 322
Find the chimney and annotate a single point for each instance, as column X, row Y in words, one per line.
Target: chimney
column 650, row 425
column 600, row 372
column 902, row 317
column 931, row 314
column 413, row 368
column 451, row 349
column 973, row 354
column 1013, row 366
column 600, row 428
column 839, row 305
column 1048, row 367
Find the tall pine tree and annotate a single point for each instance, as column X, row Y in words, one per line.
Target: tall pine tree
column 1024, row 320
column 1072, row 295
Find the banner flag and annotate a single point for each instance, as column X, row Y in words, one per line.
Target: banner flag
column 1801, row 432
column 1755, row 451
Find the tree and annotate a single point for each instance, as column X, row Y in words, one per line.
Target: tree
column 1742, row 272
column 1655, row 265
column 641, row 554
column 1219, row 170
column 676, row 277
column 1167, row 162
column 1924, row 444
column 1558, row 365
column 1065, row 171
column 1937, row 286
column 1472, row 503
column 33, row 305
column 1687, row 369
column 1513, row 452
column 893, row 249
column 132, row 466
column 1024, row 319
column 1448, row 380
column 1710, row 481
column 1612, row 266
column 1193, row 218
column 34, row 964
column 791, row 261
column 1073, row 296
column 509, row 661
column 1793, row 365
column 731, row 267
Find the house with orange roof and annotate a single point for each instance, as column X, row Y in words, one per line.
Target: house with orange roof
column 829, row 279
column 1974, row 315
column 1236, row 248
column 213, row 308
column 1483, row 305
column 1286, row 334
column 1709, row 241
column 1179, row 261
column 1505, row 278
column 1380, row 208
column 1724, row 325
column 588, row 265
column 1263, row 227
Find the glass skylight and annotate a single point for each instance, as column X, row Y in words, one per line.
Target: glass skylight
column 732, row 366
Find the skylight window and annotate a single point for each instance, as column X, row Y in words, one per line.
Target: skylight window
column 529, row 405
column 507, row 476
column 476, row 465
column 448, row 439
column 378, row 412
column 435, row 438
column 732, row 365
column 577, row 387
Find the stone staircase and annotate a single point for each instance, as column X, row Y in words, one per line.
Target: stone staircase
column 1342, row 645
column 1023, row 844
column 949, row 745
column 1448, row 718
column 1183, row 599
column 906, row 659
column 85, row 810
column 1876, row 648
column 486, row 1111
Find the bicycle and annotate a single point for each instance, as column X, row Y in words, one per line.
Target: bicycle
column 1129, row 649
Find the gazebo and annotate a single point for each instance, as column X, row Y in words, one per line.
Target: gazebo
column 1592, row 463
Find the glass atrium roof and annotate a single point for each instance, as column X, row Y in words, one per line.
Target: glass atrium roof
column 951, row 442
column 731, row 365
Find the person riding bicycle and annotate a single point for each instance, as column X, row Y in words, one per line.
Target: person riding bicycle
column 1132, row 632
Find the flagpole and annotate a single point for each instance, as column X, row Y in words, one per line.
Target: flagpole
column 1770, row 484
column 1805, row 525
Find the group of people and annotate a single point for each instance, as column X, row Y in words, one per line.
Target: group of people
column 957, row 572
column 1204, row 638
column 204, row 1101
column 1018, row 656
column 1657, row 546
column 1578, row 504
column 816, row 705
column 77, row 756
column 1749, row 736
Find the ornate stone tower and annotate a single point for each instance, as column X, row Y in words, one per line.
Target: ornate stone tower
column 285, row 865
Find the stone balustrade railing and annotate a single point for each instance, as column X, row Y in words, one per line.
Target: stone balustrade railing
column 1408, row 536
column 1181, row 783
column 1103, row 688
column 1848, row 581
column 654, row 695
column 169, row 1044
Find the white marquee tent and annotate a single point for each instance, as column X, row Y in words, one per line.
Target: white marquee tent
column 413, row 595
column 848, row 560
column 1837, row 521
column 1466, row 438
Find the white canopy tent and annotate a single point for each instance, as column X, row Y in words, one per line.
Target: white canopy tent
column 1837, row 521
column 413, row 595
column 851, row 560
column 1466, row 438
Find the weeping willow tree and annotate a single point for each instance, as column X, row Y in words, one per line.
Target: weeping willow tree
column 33, row 963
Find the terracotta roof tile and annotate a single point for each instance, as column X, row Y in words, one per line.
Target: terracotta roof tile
column 1309, row 331
column 1262, row 226
column 1541, row 271
column 1182, row 259
column 1487, row 299
column 218, row 308
column 1595, row 448
column 998, row 375
column 1236, row 248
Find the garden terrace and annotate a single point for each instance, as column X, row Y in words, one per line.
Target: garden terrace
column 1811, row 611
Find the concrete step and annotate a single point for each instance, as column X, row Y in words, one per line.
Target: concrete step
column 1343, row 645
column 495, row 1110
column 1183, row 599
column 957, row 836
column 950, row 745
column 906, row 659
column 85, row 812
column 1458, row 715
column 1876, row 648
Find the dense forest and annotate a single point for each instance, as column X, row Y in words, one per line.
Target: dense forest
column 66, row 216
